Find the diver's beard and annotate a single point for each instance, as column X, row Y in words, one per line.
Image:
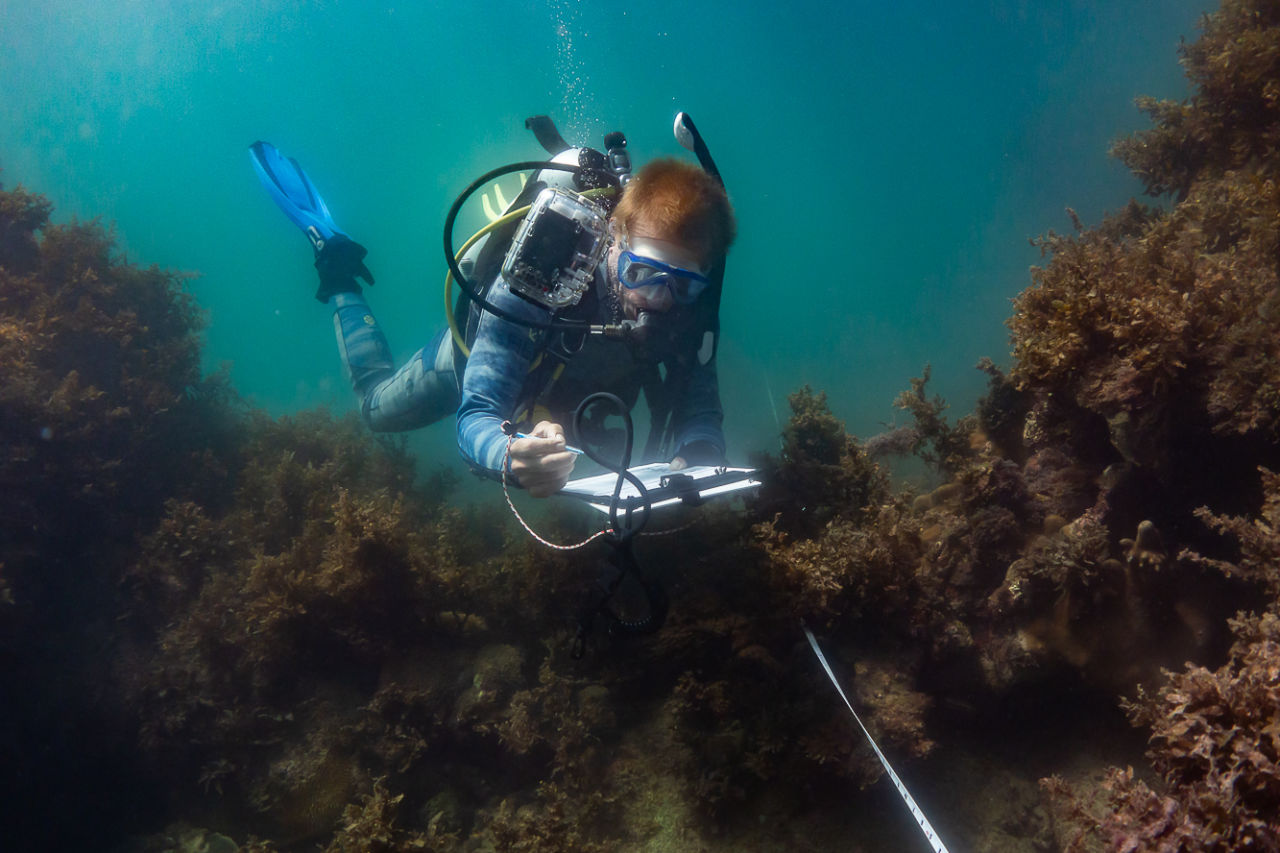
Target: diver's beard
column 635, row 311
column 633, row 306
column 647, row 322
column 619, row 309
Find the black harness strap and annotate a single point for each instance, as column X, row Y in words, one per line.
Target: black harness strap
column 544, row 129
column 658, row 400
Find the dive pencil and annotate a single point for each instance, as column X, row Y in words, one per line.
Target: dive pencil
column 568, row 447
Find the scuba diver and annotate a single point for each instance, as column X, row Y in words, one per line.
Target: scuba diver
column 634, row 309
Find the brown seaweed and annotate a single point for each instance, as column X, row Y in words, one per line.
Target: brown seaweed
column 284, row 633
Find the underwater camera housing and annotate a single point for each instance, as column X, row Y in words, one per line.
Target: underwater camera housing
column 553, row 257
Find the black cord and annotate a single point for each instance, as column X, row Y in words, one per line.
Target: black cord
column 623, row 530
column 623, row 534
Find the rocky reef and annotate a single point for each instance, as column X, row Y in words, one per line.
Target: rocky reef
column 220, row 630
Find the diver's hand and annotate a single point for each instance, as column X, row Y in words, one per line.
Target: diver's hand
column 697, row 453
column 540, row 462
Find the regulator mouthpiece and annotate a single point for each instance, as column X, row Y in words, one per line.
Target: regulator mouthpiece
column 637, row 330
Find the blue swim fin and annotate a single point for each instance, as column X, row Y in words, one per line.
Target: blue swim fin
column 293, row 192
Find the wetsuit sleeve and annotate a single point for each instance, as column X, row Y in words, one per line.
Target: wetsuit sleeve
column 697, row 416
column 494, row 377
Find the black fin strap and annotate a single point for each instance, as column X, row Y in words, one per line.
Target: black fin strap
column 700, row 149
column 544, row 129
column 658, row 400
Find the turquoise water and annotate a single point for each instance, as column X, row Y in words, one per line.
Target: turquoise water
column 888, row 161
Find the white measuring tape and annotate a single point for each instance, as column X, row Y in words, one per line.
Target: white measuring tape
column 934, row 841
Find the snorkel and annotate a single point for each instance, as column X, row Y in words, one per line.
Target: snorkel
column 687, row 135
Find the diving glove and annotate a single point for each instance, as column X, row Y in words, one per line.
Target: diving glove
column 701, row 453
column 339, row 263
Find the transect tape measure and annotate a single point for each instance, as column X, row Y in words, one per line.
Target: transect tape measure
column 934, row 841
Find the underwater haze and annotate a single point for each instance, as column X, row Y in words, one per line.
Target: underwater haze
column 888, row 161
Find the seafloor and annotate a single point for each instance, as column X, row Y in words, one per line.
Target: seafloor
column 220, row 630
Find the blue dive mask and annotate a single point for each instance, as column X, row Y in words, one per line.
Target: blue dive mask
column 635, row 271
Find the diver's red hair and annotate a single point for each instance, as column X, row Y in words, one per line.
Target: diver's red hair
column 682, row 203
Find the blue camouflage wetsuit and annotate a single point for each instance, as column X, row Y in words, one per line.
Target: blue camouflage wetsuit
column 495, row 381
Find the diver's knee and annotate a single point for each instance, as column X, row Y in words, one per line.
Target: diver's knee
column 367, row 416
